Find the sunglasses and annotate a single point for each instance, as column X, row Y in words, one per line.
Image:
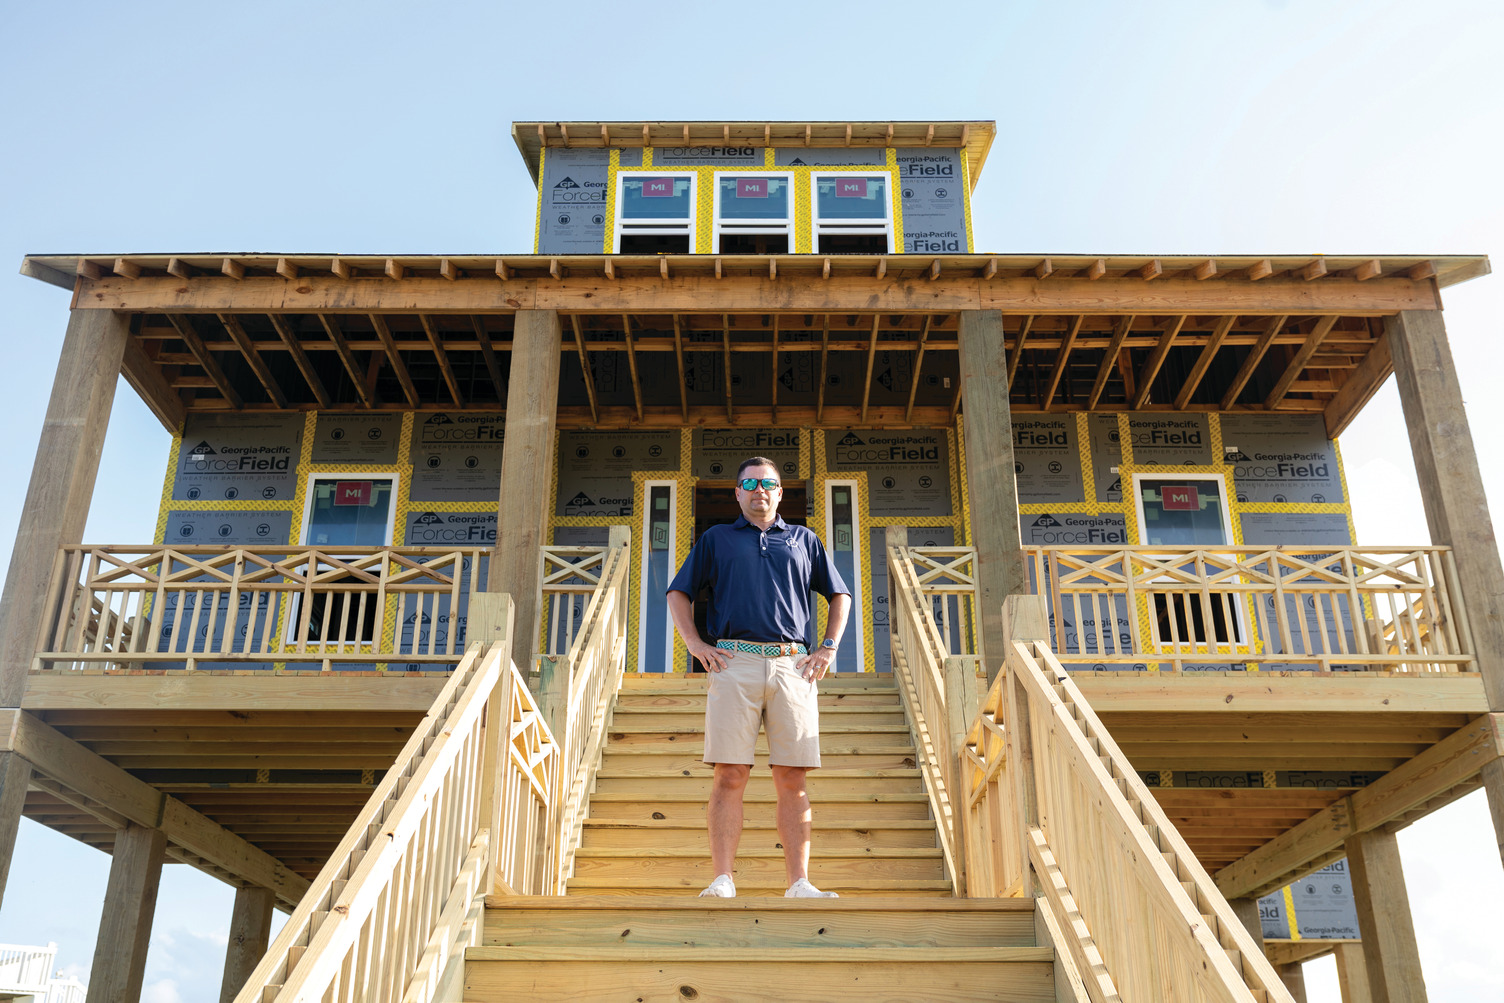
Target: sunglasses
column 752, row 483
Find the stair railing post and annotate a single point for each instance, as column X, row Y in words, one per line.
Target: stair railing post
column 1024, row 620
column 493, row 620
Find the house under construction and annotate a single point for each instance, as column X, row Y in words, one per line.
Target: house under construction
column 396, row 658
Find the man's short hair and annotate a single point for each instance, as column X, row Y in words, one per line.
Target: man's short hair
column 756, row 461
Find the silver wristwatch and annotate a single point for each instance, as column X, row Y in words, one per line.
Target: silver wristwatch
column 828, row 643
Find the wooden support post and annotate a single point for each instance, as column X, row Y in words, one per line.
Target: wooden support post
column 1024, row 619
column 1389, row 947
column 62, row 483
column 15, row 775
column 526, row 465
column 1293, row 976
column 250, row 932
column 130, row 900
column 56, row 508
column 989, row 476
column 1352, row 973
column 1456, row 508
column 498, row 624
column 1247, row 911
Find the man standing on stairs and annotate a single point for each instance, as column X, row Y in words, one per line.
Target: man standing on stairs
column 760, row 571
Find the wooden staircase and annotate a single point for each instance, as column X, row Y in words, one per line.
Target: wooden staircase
column 630, row 927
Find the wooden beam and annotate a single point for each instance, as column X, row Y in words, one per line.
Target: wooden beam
column 394, row 358
column 918, row 366
column 253, row 358
column 86, row 269
column 15, row 777
column 1315, row 270
column 1096, row 270
column 1018, row 348
column 1203, row 362
column 1421, row 272
column 287, row 269
column 991, row 268
column 1151, row 270
column 1156, row 360
column 177, row 267
column 300, row 358
column 1311, row 844
column 1252, row 359
column 626, row 325
column 339, row 268
column 679, row 358
column 526, row 467
column 232, row 268
column 990, row 479
column 824, row 367
column 393, row 270
column 1056, row 374
column 1207, row 269
column 126, row 268
column 147, row 379
column 1383, row 905
column 347, row 357
column 206, row 361
column 488, row 353
column 448, row 269
column 1359, row 387
column 130, row 902
column 62, row 483
column 726, row 361
column 1044, row 269
column 844, row 292
column 588, row 375
column 1260, row 270
column 1368, row 270
column 1109, row 359
column 54, row 755
column 871, row 362
column 1298, row 363
column 450, row 380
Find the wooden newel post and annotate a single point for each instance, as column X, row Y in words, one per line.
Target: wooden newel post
column 1024, row 620
column 492, row 624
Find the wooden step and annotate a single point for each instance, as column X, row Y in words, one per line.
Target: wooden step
column 611, row 834
column 687, row 808
column 1017, row 974
column 870, row 921
column 628, row 759
column 623, row 734
column 687, row 867
column 681, row 717
column 652, row 785
column 756, row 886
column 832, row 698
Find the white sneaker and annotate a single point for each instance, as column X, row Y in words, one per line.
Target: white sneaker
column 720, row 888
column 802, row 889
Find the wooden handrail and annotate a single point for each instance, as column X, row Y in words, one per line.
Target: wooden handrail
column 1394, row 609
column 592, row 673
column 1053, row 804
column 389, row 915
column 165, row 606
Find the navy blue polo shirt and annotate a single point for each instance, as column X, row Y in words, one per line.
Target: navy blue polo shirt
column 759, row 581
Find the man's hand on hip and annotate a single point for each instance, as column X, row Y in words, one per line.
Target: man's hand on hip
column 713, row 659
column 814, row 665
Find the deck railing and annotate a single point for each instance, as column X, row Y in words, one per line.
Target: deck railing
column 465, row 810
column 570, row 576
column 1051, row 804
column 1274, row 608
column 231, row 607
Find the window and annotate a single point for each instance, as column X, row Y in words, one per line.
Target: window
column 851, row 214
column 655, row 213
column 1188, row 510
column 343, row 510
column 754, row 214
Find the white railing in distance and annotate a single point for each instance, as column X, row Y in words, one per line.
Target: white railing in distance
column 1385, row 609
column 399, row 899
column 1052, row 804
column 176, row 607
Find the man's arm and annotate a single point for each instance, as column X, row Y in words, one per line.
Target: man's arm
column 818, row 662
column 683, row 612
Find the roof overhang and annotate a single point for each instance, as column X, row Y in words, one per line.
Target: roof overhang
column 974, row 137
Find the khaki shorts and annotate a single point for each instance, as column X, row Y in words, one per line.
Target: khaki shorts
column 752, row 690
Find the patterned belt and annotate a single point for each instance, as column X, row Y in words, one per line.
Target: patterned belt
column 765, row 650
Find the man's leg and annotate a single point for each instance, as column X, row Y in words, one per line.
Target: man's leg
column 723, row 816
column 793, row 819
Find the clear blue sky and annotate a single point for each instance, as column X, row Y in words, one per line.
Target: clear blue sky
column 1236, row 127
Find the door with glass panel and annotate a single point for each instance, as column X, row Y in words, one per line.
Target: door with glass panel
column 1189, row 511
column 843, row 541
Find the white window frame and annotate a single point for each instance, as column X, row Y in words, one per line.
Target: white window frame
column 642, row 583
column 786, row 225
column 1245, row 639
column 667, row 226
column 856, row 623
column 837, row 227
column 290, row 628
